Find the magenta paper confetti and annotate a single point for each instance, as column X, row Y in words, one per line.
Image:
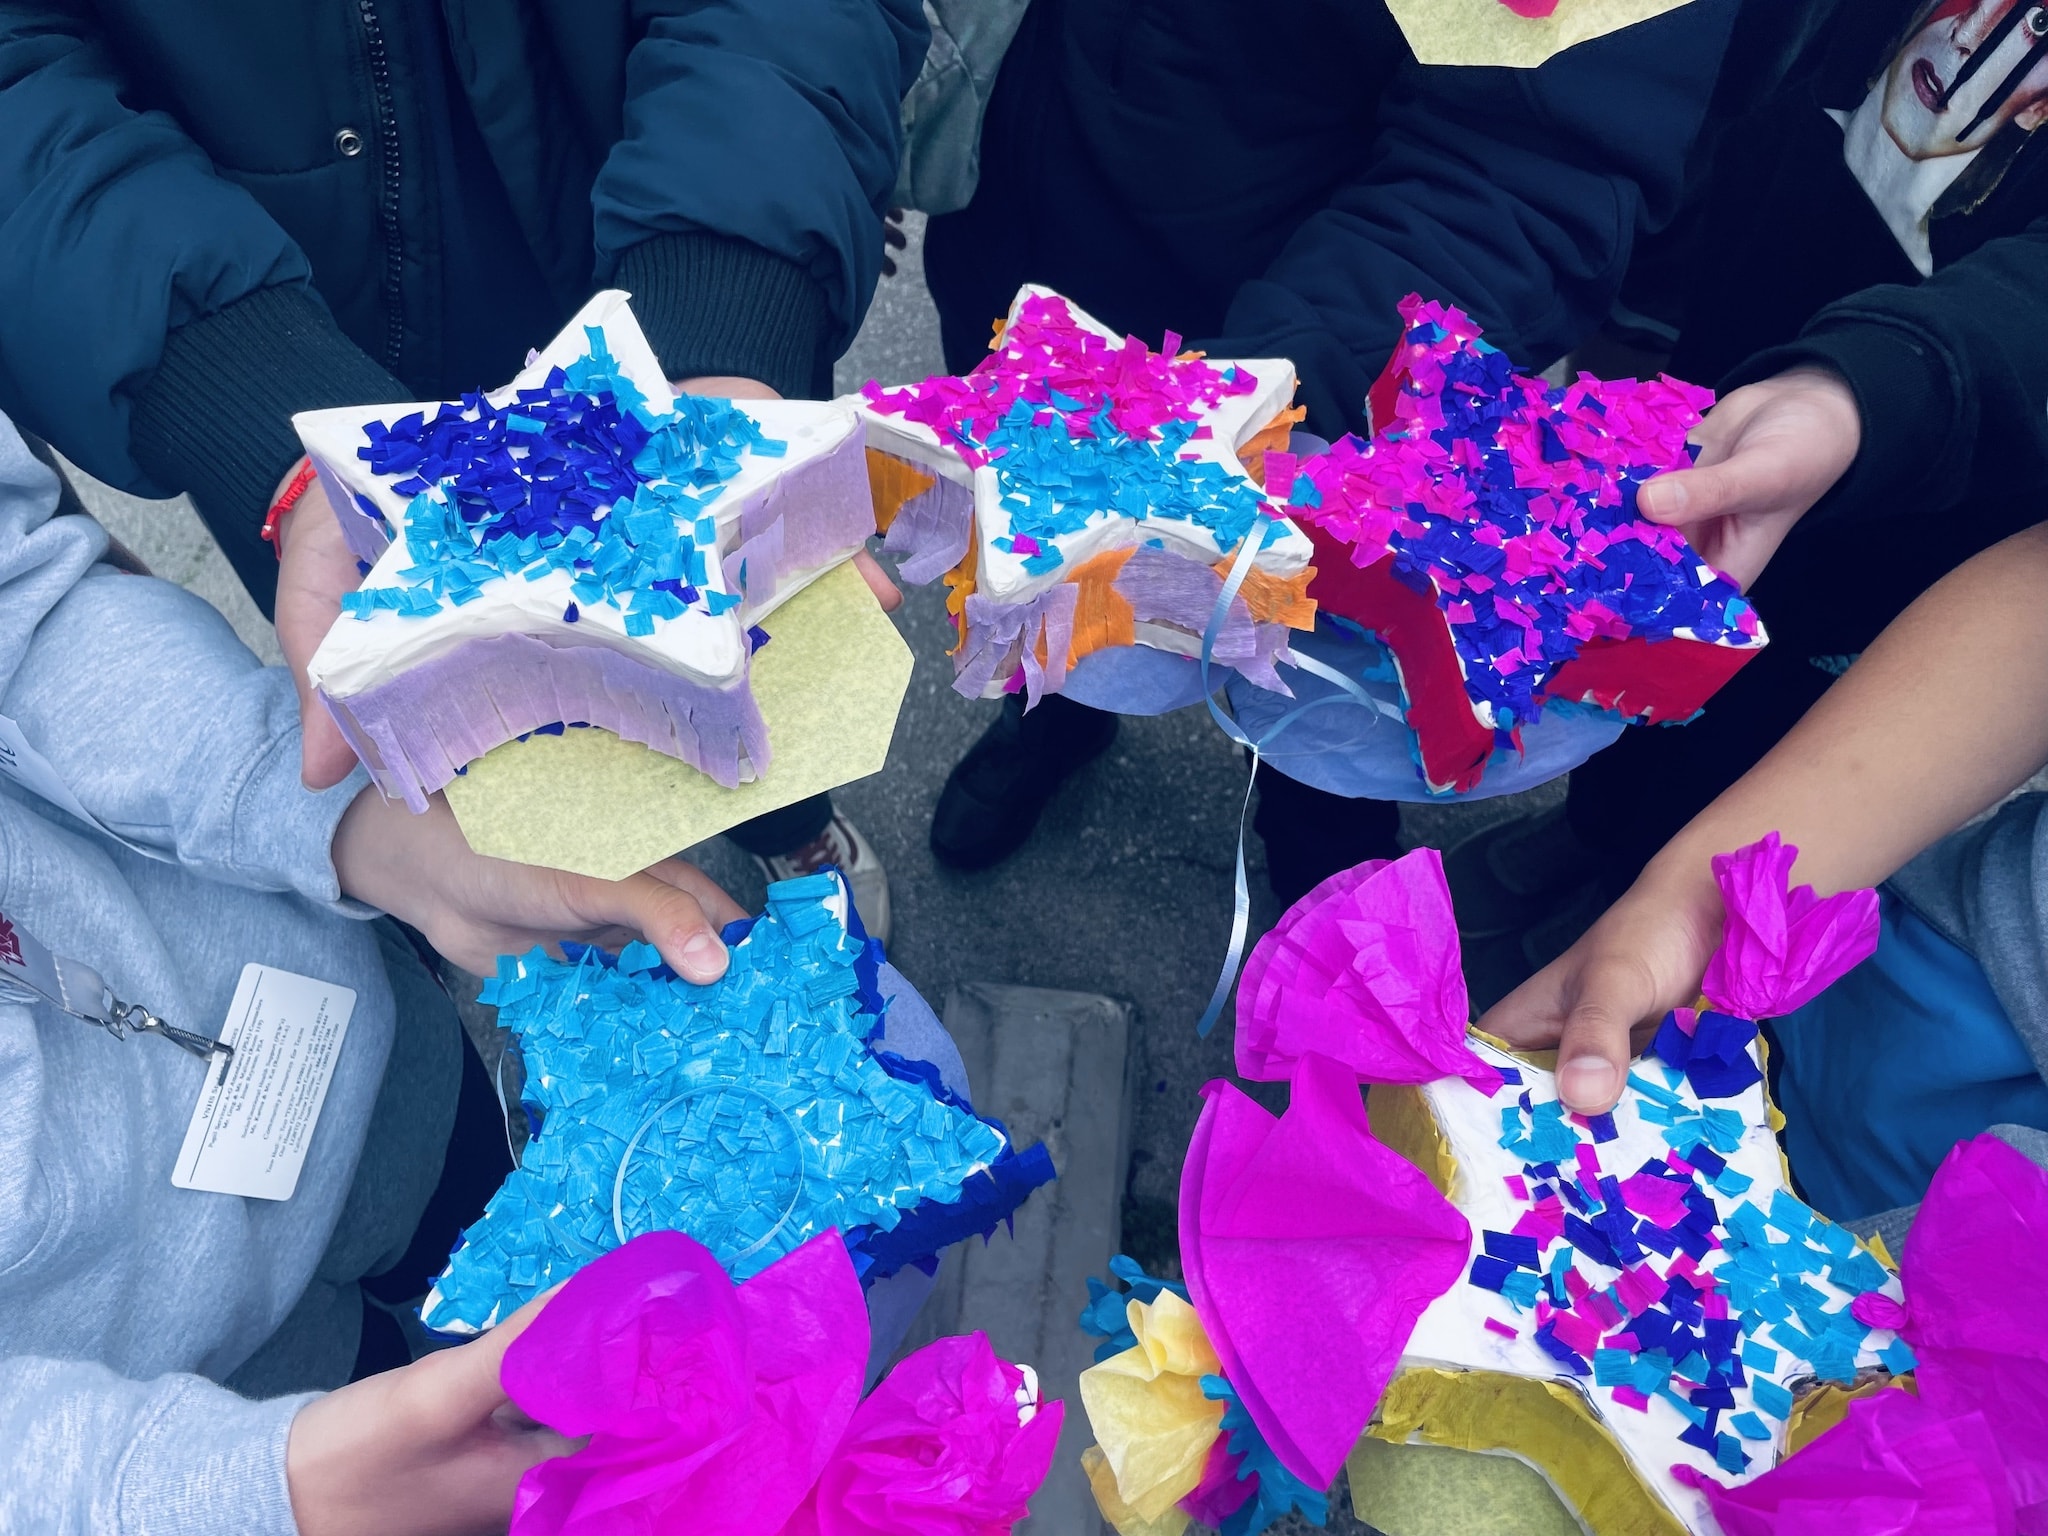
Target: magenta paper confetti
column 937, row 1450
column 1894, row 1467
column 1782, row 947
column 711, row 1407
column 1365, row 969
column 1970, row 1272
column 1310, row 1249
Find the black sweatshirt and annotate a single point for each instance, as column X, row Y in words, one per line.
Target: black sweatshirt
column 1797, row 265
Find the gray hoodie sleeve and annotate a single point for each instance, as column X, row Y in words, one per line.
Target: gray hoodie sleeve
column 140, row 1458
column 157, row 718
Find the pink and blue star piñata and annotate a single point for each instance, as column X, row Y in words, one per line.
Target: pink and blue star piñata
column 1083, row 494
column 1488, row 538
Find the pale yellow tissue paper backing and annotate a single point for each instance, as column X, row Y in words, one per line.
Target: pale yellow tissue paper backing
column 829, row 684
column 1545, row 1423
column 1487, row 32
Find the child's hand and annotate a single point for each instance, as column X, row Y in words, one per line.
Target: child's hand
column 473, row 909
column 432, row 1449
column 1768, row 452
column 1603, row 997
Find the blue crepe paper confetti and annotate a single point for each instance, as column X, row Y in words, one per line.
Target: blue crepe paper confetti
column 1716, row 1056
column 1107, row 1314
column 1276, row 1492
column 761, row 1115
column 580, row 475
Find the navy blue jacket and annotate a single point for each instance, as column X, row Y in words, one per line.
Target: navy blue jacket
column 215, row 214
column 1272, row 177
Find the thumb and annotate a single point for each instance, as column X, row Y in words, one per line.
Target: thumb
column 673, row 918
column 1685, row 498
column 1594, row 1048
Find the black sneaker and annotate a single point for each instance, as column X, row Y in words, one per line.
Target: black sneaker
column 996, row 793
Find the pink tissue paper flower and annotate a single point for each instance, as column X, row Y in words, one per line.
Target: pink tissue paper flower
column 939, row 1449
column 1365, row 969
column 1310, row 1249
column 710, row 1407
column 1782, row 947
column 1894, row 1467
column 1973, row 1318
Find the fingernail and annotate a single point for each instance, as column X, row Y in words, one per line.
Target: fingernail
column 703, row 957
column 1587, row 1084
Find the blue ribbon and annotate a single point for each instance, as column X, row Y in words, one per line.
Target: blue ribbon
column 1240, row 921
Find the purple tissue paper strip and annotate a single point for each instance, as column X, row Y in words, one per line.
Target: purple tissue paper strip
column 814, row 515
column 1000, row 635
column 1161, row 589
column 1164, row 588
column 931, row 531
column 444, row 714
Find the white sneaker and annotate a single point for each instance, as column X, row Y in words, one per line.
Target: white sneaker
column 841, row 844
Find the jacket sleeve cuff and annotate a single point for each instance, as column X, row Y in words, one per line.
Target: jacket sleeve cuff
column 207, row 1460
column 711, row 304
column 215, row 417
column 1904, row 393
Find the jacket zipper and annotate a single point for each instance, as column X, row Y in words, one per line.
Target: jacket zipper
column 391, row 164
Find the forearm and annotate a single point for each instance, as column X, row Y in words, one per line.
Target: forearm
column 1944, row 715
column 82, row 1449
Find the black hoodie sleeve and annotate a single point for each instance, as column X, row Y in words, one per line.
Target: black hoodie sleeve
column 1951, row 377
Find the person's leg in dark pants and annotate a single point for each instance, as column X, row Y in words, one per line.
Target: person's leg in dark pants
column 1311, row 834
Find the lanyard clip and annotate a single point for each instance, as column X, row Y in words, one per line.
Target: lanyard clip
column 124, row 1017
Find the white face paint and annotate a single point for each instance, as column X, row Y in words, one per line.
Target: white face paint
column 1929, row 116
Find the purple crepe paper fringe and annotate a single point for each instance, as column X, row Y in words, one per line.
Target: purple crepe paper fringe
column 1001, row 635
column 814, row 515
column 421, row 727
column 1170, row 589
column 1161, row 588
column 932, row 530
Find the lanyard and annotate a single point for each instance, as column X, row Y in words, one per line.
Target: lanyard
column 78, row 990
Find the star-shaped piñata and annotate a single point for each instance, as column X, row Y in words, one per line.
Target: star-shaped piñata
column 1088, row 493
column 581, row 547
column 1488, row 536
column 1648, row 1268
column 752, row 1114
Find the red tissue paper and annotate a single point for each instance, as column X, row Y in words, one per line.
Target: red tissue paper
column 735, row 1410
column 1782, row 947
column 1365, row 969
column 1310, row 1249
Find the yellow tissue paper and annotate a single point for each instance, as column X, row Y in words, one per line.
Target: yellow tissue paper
column 1146, row 1407
column 1546, row 1423
column 1487, row 32
column 829, row 684
column 1436, row 1490
column 1126, row 1520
